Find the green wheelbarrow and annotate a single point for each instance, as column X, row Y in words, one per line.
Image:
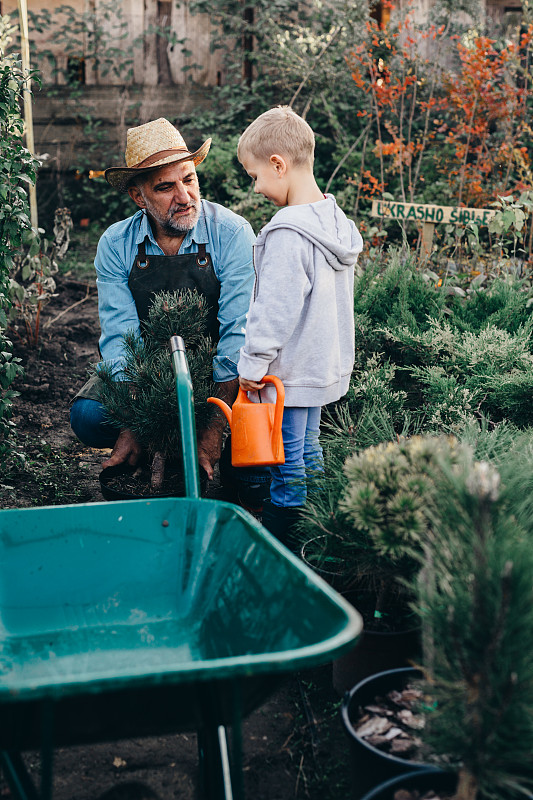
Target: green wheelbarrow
column 149, row 617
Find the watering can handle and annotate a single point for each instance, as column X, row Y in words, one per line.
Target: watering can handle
column 280, row 390
column 280, row 402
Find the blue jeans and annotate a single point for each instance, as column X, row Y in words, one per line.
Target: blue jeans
column 303, row 456
column 89, row 422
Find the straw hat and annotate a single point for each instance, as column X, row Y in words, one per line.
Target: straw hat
column 149, row 146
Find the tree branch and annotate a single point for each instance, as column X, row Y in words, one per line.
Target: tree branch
column 313, row 65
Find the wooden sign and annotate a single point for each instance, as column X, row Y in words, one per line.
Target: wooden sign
column 430, row 215
column 419, row 212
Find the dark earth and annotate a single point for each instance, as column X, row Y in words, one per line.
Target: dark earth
column 294, row 745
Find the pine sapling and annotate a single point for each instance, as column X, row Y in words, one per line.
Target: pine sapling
column 371, row 511
column 144, row 400
column 476, row 601
column 389, row 489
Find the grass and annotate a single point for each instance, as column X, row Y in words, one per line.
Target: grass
column 42, row 475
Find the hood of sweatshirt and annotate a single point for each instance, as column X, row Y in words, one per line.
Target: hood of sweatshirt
column 326, row 226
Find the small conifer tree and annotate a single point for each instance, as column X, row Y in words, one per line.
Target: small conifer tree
column 373, row 515
column 475, row 598
column 389, row 489
column 145, row 400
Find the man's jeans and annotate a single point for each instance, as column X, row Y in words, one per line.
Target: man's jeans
column 303, row 457
column 89, row 422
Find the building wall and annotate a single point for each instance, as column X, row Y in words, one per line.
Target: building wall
column 139, row 77
column 153, row 60
column 92, row 133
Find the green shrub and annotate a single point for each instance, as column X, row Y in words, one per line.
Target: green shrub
column 17, row 169
column 516, row 469
column 374, row 512
column 391, row 291
column 452, row 373
column 437, row 358
column 145, row 401
column 94, row 198
column 504, row 303
column 490, row 442
column 32, row 283
column 389, row 489
column 374, row 388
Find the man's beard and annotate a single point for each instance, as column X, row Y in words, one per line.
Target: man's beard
column 179, row 226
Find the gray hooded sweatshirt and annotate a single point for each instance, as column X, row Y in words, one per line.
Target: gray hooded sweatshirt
column 301, row 320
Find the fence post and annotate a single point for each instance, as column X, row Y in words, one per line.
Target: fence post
column 28, row 115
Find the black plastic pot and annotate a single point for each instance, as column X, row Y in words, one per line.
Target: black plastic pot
column 370, row 766
column 330, row 569
column 111, row 493
column 375, row 651
column 421, row 780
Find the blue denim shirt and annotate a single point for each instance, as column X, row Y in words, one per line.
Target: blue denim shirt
column 228, row 239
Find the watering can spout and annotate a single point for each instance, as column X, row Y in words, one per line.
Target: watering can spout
column 255, row 427
column 226, row 410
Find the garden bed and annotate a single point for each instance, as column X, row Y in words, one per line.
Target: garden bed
column 292, row 744
column 57, row 468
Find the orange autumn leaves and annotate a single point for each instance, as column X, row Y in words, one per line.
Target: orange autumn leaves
column 471, row 121
column 488, row 96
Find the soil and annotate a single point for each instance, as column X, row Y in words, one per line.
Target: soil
column 57, row 468
column 294, row 745
column 135, row 482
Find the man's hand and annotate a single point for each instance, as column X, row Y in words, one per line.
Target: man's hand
column 210, row 439
column 250, row 386
column 209, row 448
column 126, row 450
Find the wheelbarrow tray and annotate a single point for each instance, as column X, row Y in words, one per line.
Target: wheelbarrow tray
column 140, row 617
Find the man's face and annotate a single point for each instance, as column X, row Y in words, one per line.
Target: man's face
column 171, row 196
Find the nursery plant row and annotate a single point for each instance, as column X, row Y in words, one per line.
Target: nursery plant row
column 424, row 520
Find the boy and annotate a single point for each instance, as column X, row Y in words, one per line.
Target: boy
column 301, row 321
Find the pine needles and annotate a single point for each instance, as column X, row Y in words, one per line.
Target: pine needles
column 475, row 598
column 145, row 401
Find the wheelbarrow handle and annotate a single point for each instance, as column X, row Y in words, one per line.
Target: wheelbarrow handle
column 177, row 343
column 184, row 393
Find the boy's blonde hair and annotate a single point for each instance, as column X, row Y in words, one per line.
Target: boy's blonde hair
column 281, row 131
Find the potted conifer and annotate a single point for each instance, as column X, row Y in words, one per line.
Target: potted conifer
column 145, row 401
column 373, row 519
column 475, row 598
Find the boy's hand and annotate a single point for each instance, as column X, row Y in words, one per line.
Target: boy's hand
column 250, row 386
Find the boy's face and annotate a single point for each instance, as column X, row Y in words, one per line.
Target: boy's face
column 269, row 176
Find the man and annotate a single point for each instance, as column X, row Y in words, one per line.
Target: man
column 175, row 240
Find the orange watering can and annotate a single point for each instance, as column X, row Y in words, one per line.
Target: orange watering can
column 255, row 427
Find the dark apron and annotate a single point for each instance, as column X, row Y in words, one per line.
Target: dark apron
column 152, row 274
